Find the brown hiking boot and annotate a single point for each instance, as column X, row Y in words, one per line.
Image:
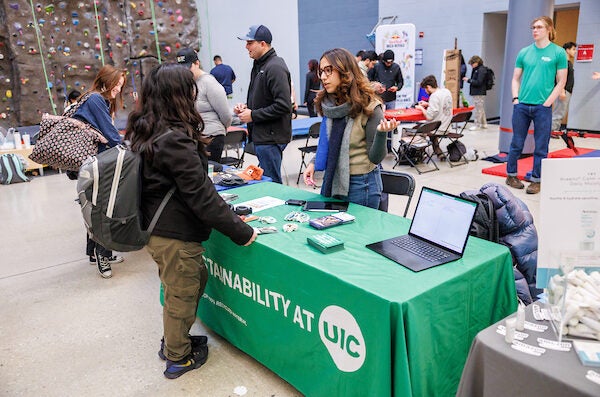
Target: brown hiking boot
column 514, row 182
column 533, row 188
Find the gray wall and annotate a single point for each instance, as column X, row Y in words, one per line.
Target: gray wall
column 221, row 21
column 583, row 109
column 442, row 21
column 329, row 24
column 480, row 27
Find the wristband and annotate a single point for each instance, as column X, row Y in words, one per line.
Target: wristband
column 243, row 210
column 515, row 97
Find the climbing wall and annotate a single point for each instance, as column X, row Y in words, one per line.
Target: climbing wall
column 73, row 39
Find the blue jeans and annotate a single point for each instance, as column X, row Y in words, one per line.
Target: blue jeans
column 365, row 189
column 269, row 159
column 522, row 117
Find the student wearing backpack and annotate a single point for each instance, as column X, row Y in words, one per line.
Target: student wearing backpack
column 101, row 104
column 166, row 130
column 477, row 90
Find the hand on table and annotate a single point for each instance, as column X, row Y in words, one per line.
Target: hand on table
column 252, row 239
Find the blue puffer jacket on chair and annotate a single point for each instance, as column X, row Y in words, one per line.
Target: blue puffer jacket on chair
column 519, row 234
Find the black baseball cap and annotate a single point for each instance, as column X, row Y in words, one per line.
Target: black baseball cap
column 258, row 33
column 388, row 55
column 186, row 57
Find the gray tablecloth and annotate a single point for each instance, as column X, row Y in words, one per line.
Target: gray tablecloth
column 493, row 368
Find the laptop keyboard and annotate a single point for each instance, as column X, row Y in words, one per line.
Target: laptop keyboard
column 420, row 248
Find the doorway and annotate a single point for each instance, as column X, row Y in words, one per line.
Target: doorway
column 492, row 52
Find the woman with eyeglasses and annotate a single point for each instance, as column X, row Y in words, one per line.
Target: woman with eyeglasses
column 353, row 137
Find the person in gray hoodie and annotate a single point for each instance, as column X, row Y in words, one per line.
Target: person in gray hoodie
column 211, row 103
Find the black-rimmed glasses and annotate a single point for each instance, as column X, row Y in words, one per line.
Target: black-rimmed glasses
column 328, row 70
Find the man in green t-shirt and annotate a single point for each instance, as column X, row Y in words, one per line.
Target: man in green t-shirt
column 534, row 91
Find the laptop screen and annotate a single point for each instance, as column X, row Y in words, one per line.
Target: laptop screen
column 443, row 219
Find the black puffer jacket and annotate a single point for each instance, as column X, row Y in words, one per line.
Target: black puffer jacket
column 519, row 234
column 269, row 98
column 195, row 207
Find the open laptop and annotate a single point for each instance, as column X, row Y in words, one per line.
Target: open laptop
column 438, row 232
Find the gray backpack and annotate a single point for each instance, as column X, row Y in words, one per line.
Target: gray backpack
column 12, row 169
column 109, row 189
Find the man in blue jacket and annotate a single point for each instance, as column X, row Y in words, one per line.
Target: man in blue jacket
column 268, row 110
column 224, row 74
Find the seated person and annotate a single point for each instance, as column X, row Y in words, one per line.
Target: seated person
column 439, row 108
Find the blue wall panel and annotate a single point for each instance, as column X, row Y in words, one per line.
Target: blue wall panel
column 333, row 23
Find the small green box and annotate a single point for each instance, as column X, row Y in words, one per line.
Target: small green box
column 325, row 243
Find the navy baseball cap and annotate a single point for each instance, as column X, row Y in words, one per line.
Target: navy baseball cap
column 186, row 57
column 258, row 33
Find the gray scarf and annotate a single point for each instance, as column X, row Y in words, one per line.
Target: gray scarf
column 341, row 181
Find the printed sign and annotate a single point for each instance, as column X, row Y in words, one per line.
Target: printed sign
column 400, row 39
column 585, row 52
column 569, row 216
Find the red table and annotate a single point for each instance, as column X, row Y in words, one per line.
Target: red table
column 413, row 115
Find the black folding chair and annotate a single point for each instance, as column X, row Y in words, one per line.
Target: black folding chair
column 234, row 140
column 414, row 144
column 453, row 133
column 313, row 133
column 398, row 183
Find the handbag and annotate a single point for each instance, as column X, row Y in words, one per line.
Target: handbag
column 65, row 142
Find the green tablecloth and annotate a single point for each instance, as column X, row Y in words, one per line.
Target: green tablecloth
column 352, row 323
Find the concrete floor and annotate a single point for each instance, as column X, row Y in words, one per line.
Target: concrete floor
column 65, row 331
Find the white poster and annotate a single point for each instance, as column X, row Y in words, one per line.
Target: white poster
column 400, row 39
column 569, row 225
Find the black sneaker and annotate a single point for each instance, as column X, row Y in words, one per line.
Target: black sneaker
column 194, row 360
column 104, row 266
column 197, row 341
column 111, row 259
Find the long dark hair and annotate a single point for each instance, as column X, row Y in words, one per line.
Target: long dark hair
column 313, row 66
column 354, row 86
column 167, row 101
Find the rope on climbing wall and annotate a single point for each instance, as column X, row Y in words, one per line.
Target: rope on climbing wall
column 99, row 33
column 37, row 34
column 155, row 31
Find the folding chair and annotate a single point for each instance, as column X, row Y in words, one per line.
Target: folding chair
column 398, row 183
column 453, row 133
column 234, row 140
column 416, row 141
column 313, row 132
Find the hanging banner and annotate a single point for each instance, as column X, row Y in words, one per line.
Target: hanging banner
column 400, row 38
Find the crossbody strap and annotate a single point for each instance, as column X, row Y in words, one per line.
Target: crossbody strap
column 80, row 102
column 160, row 209
column 165, row 200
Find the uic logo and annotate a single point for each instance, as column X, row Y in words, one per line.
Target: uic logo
column 342, row 337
